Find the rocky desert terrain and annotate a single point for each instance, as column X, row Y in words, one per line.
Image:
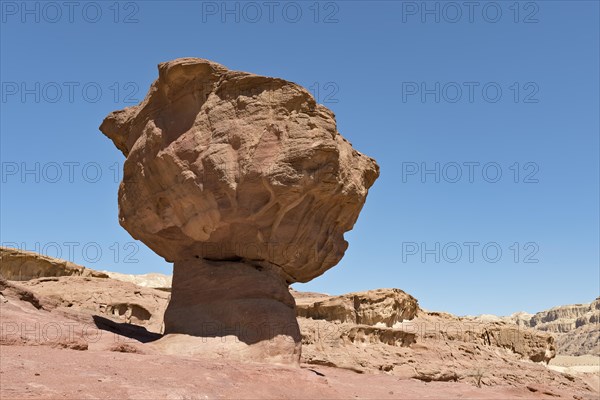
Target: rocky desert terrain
column 245, row 184
column 71, row 332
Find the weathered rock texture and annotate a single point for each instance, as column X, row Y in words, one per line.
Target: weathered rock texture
column 240, row 304
column 225, row 164
column 21, row 265
column 385, row 330
column 121, row 301
column 564, row 319
column 45, row 319
column 242, row 169
column 385, row 307
column 575, row 326
column 580, row 341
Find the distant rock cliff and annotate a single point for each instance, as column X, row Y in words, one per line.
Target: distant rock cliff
column 563, row 319
column 575, row 326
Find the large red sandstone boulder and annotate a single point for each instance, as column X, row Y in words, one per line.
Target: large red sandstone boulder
column 225, row 165
column 244, row 182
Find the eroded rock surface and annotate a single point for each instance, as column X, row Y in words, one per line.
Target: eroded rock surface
column 575, row 326
column 121, row 301
column 246, row 306
column 385, row 307
column 401, row 339
column 48, row 318
column 229, row 165
column 237, row 178
column 22, row 265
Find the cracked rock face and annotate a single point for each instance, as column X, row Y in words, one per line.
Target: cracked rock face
column 230, row 167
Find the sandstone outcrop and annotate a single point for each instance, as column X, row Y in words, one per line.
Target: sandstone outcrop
column 66, row 288
column 236, row 176
column 560, row 319
column 584, row 340
column 103, row 315
column 575, row 326
column 385, row 330
column 121, row 301
column 26, row 321
column 385, row 307
column 22, row 265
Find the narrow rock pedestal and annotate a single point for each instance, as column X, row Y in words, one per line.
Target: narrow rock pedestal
column 234, row 305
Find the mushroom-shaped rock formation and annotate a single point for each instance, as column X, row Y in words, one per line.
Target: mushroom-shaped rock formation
column 245, row 184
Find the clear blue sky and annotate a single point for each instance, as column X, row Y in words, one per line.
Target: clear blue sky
column 379, row 66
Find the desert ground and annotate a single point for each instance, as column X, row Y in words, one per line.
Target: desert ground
column 69, row 332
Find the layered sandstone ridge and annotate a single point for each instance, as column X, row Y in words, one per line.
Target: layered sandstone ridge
column 560, row 319
column 384, row 330
column 380, row 307
column 575, row 326
column 563, row 319
column 22, row 265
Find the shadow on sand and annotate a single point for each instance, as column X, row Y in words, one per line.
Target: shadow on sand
column 131, row 331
